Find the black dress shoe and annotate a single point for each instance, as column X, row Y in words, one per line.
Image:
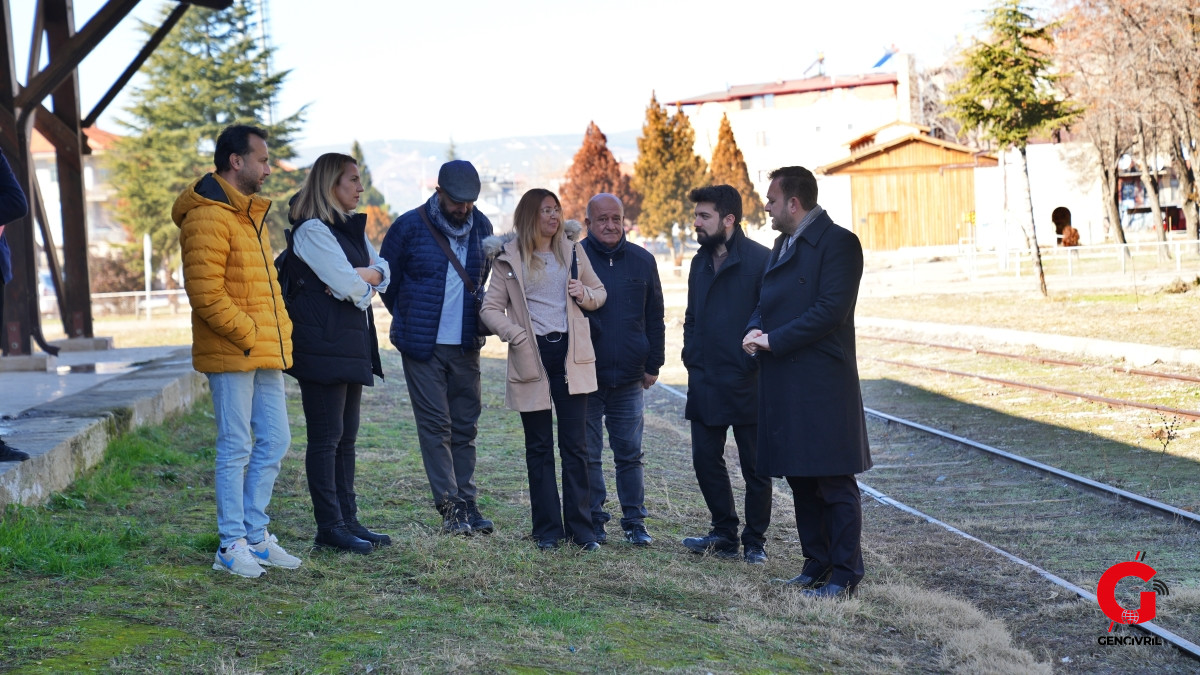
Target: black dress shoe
column 547, row 544
column 637, row 535
column 376, row 539
column 835, row 591
column 805, row 580
column 714, row 545
column 340, row 539
column 10, row 454
column 589, row 547
column 755, row 555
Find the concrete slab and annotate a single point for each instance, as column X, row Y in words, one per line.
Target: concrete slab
column 65, row 418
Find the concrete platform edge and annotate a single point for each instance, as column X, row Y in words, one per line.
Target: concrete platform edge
column 68, row 436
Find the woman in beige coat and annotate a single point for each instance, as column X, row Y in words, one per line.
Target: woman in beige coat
column 540, row 285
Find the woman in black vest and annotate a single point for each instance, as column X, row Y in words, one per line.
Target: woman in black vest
column 333, row 274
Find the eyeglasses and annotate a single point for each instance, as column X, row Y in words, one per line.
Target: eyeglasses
column 551, row 211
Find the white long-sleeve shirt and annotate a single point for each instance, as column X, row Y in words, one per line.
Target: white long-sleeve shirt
column 315, row 244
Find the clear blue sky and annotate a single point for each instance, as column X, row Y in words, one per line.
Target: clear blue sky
column 474, row 69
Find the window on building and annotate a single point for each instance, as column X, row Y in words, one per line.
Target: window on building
column 746, row 103
column 769, row 101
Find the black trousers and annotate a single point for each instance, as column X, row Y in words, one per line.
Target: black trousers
column 829, row 521
column 574, row 520
column 708, row 458
column 331, row 419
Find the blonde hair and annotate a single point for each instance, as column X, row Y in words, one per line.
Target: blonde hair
column 525, row 223
column 315, row 198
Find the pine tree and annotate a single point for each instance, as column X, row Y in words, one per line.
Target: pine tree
column 1008, row 94
column 451, row 151
column 594, row 170
column 666, row 169
column 208, row 73
column 372, row 202
column 729, row 168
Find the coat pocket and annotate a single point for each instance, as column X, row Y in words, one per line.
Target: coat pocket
column 523, row 360
column 581, row 334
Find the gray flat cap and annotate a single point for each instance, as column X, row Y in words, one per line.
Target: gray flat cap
column 459, row 180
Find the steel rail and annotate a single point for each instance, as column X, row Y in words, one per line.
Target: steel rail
column 1152, row 505
column 1116, row 402
column 1185, row 646
column 1036, row 359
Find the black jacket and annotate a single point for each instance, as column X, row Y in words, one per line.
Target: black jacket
column 628, row 332
column 812, row 419
column 333, row 341
column 722, row 378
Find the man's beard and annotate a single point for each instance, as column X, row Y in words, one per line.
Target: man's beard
column 455, row 219
column 248, row 185
column 711, row 240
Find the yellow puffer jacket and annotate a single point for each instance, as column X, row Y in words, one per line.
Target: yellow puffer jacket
column 239, row 323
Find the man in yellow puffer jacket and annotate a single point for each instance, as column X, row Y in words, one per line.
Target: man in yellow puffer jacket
column 241, row 339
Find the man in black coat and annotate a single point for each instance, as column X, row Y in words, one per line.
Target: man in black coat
column 812, row 429
column 13, row 206
column 723, row 287
column 629, row 335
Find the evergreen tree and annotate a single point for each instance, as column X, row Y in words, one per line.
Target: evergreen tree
column 594, row 170
column 666, row 169
column 1008, row 93
column 372, row 202
column 208, row 73
column 729, row 168
column 451, row 151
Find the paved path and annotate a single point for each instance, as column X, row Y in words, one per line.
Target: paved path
column 66, row 416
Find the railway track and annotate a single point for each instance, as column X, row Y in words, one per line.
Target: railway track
column 1034, row 359
column 1055, row 391
column 1170, row 515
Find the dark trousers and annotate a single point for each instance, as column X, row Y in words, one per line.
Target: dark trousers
column 708, row 458
column 445, row 395
column 619, row 409
column 574, row 520
column 829, row 521
column 331, row 420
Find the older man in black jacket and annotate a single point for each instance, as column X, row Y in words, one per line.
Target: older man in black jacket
column 723, row 287
column 813, row 429
column 629, row 334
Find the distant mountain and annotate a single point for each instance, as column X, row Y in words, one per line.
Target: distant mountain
column 406, row 171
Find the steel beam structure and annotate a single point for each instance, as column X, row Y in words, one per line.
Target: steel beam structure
column 22, row 110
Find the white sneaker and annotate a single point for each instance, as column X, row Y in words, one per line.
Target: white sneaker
column 269, row 552
column 237, row 560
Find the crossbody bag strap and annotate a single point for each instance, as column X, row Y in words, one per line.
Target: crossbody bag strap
column 441, row 240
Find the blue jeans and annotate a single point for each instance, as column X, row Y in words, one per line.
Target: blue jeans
column 245, row 404
column 619, row 409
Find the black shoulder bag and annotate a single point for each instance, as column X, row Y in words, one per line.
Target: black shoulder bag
column 468, row 283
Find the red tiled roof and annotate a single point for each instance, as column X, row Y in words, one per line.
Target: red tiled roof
column 822, row 83
column 98, row 139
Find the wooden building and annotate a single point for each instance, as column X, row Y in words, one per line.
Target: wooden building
column 910, row 189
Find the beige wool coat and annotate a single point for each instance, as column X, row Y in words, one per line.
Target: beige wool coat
column 506, row 313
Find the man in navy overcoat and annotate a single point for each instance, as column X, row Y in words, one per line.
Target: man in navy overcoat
column 811, row 428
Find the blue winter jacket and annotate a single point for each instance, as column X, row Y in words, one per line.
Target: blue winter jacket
column 418, row 284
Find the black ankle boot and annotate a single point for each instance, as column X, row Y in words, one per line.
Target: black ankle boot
column 356, row 528
column 339, row 538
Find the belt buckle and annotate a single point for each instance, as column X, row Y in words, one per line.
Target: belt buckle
column 558, row 336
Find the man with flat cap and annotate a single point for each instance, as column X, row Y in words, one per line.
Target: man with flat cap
column 438, row 276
